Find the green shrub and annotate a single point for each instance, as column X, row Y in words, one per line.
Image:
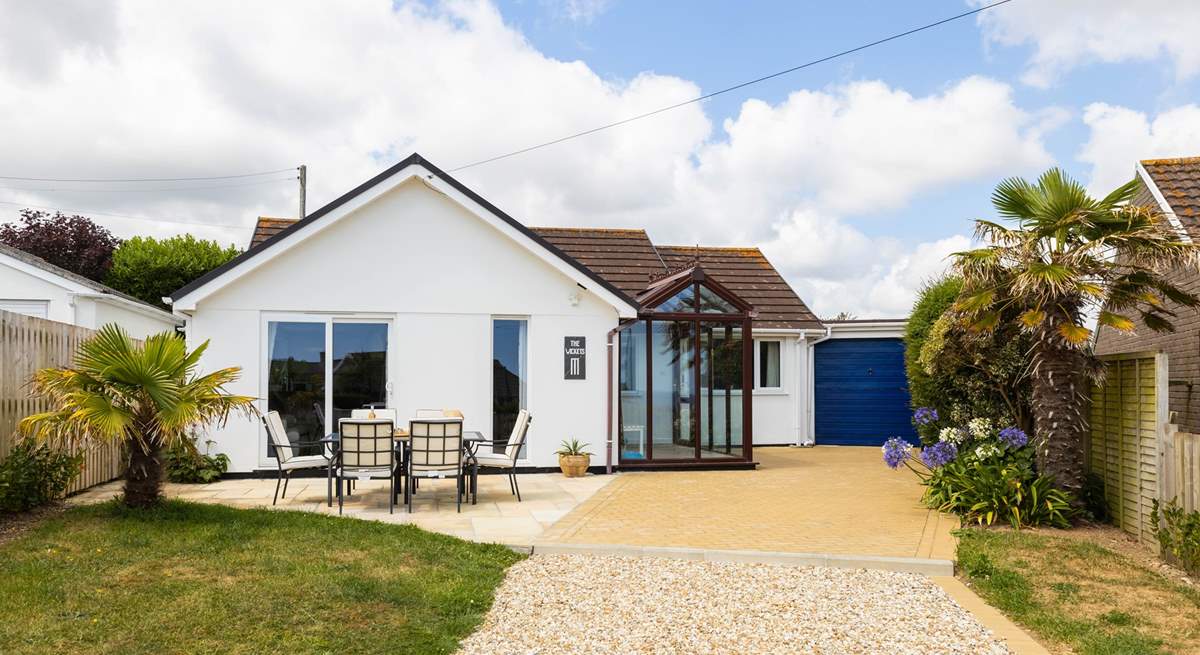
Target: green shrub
column 984, row 492
column 185, row 463
column 1178, row 533
column 33, row 475
column 963, row 374
column 149, row 268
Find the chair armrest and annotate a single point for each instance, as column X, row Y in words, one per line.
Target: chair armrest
column 301, row 444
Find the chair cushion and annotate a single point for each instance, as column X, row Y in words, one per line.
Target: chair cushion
column 365, row 471
column 304, row 462
column 495, row 461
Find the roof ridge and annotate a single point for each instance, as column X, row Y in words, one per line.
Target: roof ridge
column 725, row 248
column 1172, row 160
column 589, row 229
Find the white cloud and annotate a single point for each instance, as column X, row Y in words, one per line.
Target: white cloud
column 1066, row 34
column 1119, row 137
column 175, row 89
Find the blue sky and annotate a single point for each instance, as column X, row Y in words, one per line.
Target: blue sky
column 856, row 177
column 717, row 44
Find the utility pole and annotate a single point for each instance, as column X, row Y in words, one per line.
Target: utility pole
column 303, row 182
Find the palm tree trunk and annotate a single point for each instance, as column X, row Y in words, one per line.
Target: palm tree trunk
column 1060, row 426
column 143, row 479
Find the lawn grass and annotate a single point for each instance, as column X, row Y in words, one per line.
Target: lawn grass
column 1078, row 597
column 189, row 578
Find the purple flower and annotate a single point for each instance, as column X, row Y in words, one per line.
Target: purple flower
column 939, row 454
column 1014, row 437
column 896, row 451
column 925, row 415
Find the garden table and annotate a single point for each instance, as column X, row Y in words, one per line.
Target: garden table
column 470, row 439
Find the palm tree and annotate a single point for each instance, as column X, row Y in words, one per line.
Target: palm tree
column 1070, row 257
column 145, row 397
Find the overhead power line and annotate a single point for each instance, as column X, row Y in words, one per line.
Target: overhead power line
column 148, row 189
column 735, row 87
column 143, row 179
column 82, row 212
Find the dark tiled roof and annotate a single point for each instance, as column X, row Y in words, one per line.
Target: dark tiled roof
column 626, row 258
column 267, row 227
column 746, row 272
column 1178, row 180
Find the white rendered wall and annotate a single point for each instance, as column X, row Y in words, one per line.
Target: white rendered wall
column 139, row 325
column 439, row 274
column 18, row 285
column 777, row 412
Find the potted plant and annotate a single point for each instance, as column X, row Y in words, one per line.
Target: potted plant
column 573, row 459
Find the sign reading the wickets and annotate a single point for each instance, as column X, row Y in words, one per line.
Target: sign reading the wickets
column 574, row 358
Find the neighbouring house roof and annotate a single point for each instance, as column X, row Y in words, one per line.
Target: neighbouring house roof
column 69, row 279
column 267, row 227
column 1175, row 184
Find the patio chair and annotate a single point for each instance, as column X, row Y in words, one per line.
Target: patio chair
column 436, row 451
column 507, row 462
column 366, row 450
column 285, row 453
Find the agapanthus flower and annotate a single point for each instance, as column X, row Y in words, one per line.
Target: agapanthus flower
column 939, row 454
column 953, row 435
column 1014, row 437
column 987, row 451
column 925, row 415
column 980, row 428
column 896, row 451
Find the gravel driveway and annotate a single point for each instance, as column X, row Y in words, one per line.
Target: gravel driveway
column 585, row 604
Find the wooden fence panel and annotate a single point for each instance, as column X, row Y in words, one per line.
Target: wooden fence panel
column 26, row 345
column 1128, row 423
column 1181, row 469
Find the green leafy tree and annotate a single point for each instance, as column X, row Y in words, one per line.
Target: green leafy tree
column 1066, row 256
column 145, row 397
column 148, row 268
column 960, row 373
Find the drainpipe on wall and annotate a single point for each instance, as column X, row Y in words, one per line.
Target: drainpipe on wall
column 810, row 389
column 608, row 443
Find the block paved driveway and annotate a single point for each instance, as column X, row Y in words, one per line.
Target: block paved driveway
column 828, row 499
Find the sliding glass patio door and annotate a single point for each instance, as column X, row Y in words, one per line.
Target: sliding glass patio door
column 312, row 390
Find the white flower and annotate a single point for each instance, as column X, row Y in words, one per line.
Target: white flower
column 987, row 451
column 953, row 435
column 981, row 428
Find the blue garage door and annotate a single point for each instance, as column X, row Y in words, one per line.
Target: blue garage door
column 861, row 393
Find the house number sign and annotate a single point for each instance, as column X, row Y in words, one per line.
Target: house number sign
column 574, row 358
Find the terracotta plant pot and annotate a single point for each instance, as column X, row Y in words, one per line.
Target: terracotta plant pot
column 574, row 466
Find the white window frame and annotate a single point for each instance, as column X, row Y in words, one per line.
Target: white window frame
column 34, row 308
column 758, row 366
column 326, row 319
column 524, row 372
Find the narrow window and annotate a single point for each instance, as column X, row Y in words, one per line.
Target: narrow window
column 768, row 365
column 509, row 378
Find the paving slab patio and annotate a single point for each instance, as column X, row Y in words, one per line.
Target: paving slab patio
column 497, row 518
column 827, row 499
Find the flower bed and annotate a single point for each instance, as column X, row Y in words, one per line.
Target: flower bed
column 981, row 473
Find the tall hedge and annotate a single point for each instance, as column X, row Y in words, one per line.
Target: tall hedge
column 149, row 268
column 961, row 374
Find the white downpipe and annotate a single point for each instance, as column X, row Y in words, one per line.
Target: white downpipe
column 809, row 437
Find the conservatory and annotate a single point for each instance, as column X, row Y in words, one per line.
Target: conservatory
column 685, row 374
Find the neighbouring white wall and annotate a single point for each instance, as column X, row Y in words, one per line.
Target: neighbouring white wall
column 18, row 285
column 440, row 274
column 138, row 324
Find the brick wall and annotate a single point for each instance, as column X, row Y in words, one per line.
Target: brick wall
column 1182, row 346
